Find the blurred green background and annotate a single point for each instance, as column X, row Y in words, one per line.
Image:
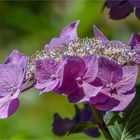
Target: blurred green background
column 28, row 26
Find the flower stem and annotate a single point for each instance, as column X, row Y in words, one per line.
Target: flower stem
column 31, row 86
column 101, row 123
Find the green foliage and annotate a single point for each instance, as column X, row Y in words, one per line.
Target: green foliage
column 125, row 125
column 81, row 127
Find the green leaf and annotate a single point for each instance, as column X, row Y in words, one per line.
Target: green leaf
column 125, row 125
column 112, row 117
column 81, row 127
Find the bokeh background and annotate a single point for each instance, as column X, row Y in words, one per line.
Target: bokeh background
column 27, row 26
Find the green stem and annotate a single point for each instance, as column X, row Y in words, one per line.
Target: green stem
column 101, row 123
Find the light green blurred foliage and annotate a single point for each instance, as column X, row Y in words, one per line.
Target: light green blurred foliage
column 28, row 26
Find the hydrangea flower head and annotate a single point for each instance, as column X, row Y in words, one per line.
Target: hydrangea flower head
column 81, row 68
column 92, row 70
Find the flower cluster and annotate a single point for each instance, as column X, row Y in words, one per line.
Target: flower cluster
column 122, row 8
column 93, row 70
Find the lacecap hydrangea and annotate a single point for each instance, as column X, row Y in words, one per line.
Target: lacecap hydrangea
column 92, row 70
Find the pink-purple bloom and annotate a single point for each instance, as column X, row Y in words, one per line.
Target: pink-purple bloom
column 92, row 70
column 106, row 79
column 48, row 75
column 12, row 74
column 117, row 86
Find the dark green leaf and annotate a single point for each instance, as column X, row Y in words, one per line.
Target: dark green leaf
column 125, row 125
column 81, row 127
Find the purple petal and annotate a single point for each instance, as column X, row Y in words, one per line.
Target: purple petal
column 78, row 113
column 109, row 71
column 55, row 43
column 137, row 59
column 74, row 67
column 14, row 57
column 50, row 86
column 117, row 43
column 45, row 71
column 62, row 126
column 99, row 35
column 92, row 68
column 92, row 132
column 76, row 96
column 121, row 11
column 124, row 99
column 70, row 31
column 135, row 3
column 104, row 102
column 128, row 80
column 113, row 3
column 137, row 12
column 84, row 114
column 8, row 104
column 11, row 76
column 13, row 106
column 89, row 91
column 134, row 40
column 67, row 34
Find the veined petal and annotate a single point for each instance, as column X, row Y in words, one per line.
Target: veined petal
column 9, row 104
column 76, row 96
column 99, row 35
column 45, row 70
column 50, row 86
column 10, row 78
column 109, row 71
column 124, row 99
column 134, row 40
column 74, row 67
column 67, row 34
column 128, row 80
column 91, row 68
column 70, row 31
column 89, row 91
column 55, row 43
column 104, row 102
column 14, row 57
